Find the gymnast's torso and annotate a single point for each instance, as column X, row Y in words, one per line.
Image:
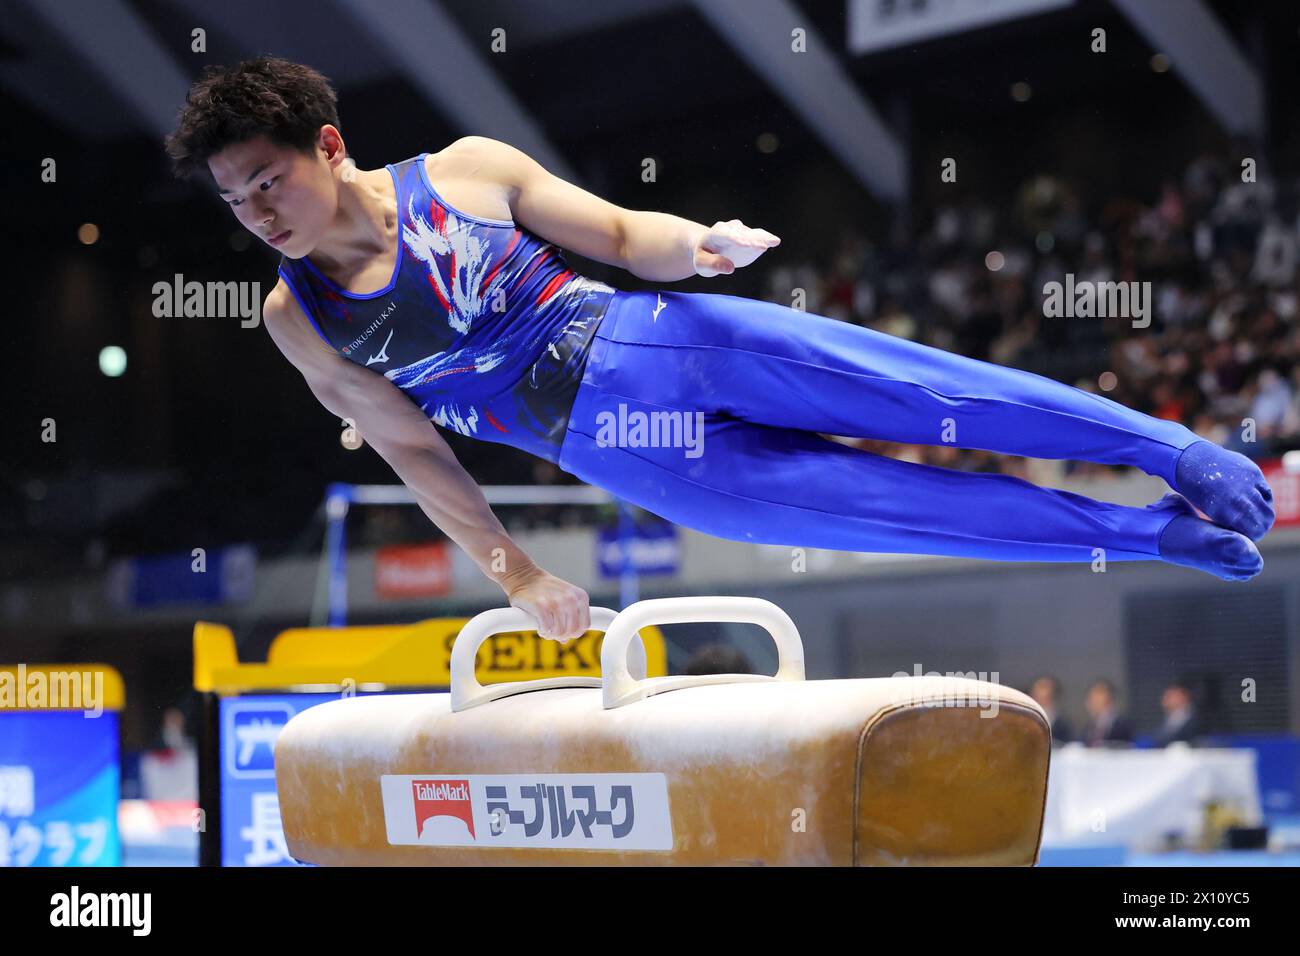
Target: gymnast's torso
column 482, row 324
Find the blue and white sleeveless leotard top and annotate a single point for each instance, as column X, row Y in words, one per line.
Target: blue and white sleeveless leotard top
column 483, row 325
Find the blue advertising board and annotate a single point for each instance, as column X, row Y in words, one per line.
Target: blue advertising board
column 651, row 550
column 218, row 576
column 251, row 834
column 59, row 788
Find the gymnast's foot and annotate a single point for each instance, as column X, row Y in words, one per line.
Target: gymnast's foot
column 1193, row 542
column 1229, row 488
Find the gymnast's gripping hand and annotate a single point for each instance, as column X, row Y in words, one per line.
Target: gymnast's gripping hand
column 562, row 610
column 730, row 245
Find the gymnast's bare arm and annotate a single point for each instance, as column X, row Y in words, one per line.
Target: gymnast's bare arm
column 411, row 445
column 654, row 246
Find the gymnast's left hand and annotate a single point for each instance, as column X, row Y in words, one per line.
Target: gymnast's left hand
column 562, row 610
column 730, row 245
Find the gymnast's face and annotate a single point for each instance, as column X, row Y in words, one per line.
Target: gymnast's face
column 274, row 189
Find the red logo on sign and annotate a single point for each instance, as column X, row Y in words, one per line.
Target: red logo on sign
column 442, row 798
column 417, row 570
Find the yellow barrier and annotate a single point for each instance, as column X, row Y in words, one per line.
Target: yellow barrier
column 412, row 655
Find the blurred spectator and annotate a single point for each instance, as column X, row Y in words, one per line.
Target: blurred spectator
column 1046, row 690
column 1181, row 721
column 1106, row 725
column 169, row 771
column 171, row 732
column 1272, row 408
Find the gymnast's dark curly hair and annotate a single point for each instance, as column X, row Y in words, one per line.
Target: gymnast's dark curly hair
column 267, row 96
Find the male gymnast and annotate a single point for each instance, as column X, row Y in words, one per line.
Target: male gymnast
column 434, row 291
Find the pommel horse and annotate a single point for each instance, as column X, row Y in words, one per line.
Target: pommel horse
column 719, row 769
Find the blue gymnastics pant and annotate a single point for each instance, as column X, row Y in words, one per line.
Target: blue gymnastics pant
column 761, row 380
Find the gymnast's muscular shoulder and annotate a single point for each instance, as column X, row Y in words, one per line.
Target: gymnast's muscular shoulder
column 491, row 179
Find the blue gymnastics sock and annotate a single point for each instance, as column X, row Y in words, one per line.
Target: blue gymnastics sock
column 1229, row 488
column 1195, row 543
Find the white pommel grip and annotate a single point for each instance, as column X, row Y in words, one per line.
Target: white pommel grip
column 466, row 691
column 621, row 684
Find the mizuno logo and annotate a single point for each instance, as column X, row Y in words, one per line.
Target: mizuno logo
column 660, row 305
column 383, row 351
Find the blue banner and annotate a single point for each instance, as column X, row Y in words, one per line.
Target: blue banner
column 218, row 576
column 59, row 787
column 652, row 550
column 251, row 834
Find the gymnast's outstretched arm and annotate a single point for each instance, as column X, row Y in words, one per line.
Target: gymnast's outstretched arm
column 392, row 425
column 655, row 246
